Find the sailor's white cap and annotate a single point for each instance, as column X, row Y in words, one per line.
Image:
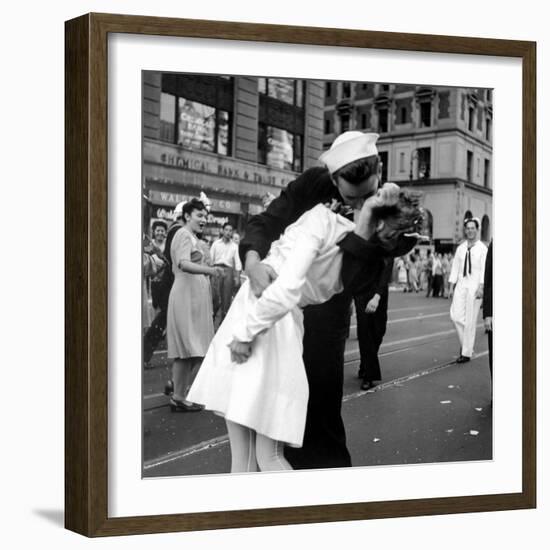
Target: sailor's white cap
column 348, row 147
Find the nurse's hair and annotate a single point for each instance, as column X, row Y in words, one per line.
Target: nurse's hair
column 404, row 223
column 191, row 206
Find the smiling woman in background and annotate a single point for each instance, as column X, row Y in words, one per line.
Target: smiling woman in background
column 189, row 320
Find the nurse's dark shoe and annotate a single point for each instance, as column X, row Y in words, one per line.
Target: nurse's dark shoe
column 180, row 406
column 463, row 359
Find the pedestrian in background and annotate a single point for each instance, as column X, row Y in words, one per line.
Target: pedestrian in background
column 466, row 280
column 155, row 333
column 446, row 265
column 402, row 278
column 428, row 276
column 158, row 230
column 488, row 303
column 224, row 253
column 371, row 310
column 412, row 273
column 152, row 264
column 437, row 276
column 189, row 318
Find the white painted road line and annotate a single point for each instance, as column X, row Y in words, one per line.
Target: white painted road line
column 385, row 344
column 418, row 317
column 408, row 378
column 415, row 307
column 413, row 339
column 199, row 447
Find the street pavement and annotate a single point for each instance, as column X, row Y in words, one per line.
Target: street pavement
column 426, row 409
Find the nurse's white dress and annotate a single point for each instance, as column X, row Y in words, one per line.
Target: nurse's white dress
column 269, row 392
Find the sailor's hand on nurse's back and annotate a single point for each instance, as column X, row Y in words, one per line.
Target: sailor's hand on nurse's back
column 259, row 274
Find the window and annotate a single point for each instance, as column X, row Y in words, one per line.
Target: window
column 471, row 119
column 402, row 115
column 363, row 120
column 328, row 89
column 167, row 117
column 485, row 229
column 486, row 173
column 488, row 133
column 223, row 133
column 424, row 162
column 279, row 148
column 298, row 155
column 401, row 162
column 469, row 165
column 382, row 120
column 346, row 89
column 194, row 125
column 344, row 123
column 489, row 95
column 425, row 114
column 284, row 89
column 203, row 127
column 299, row 93
column 262, row 85
column 385, row 87
column 384, row 160
column 328, row 126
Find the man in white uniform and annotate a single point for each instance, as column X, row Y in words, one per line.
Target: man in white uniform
column 466, row 282
column 224, row 253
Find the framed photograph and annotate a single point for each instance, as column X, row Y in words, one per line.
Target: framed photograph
column 279, row 275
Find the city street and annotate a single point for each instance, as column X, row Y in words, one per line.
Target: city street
column 426, row 409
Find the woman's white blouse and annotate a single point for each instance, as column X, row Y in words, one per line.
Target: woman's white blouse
column 308, row 262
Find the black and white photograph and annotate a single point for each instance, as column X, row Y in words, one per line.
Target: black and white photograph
column 317, row 274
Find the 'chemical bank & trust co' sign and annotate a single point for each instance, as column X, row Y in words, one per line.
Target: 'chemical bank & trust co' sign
column 207, row 163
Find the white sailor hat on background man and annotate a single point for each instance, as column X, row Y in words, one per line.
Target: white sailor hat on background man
column 348, row 147
column 178, row 209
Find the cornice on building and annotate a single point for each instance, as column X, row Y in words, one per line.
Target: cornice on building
column 431, row 182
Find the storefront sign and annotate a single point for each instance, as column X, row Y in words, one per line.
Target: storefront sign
column 171, row 199
column 217, row 165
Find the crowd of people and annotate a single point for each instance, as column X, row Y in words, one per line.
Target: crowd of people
column 256, row 332
column 429, row 273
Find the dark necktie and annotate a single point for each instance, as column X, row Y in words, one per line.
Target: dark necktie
column 467, row 264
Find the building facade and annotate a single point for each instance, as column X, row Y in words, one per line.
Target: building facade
column 436, row 139
column 240, row 140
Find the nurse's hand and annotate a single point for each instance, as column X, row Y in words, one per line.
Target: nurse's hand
column 259, row 274
column 240, row 351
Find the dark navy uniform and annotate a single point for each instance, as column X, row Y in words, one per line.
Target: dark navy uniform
column 326, row 325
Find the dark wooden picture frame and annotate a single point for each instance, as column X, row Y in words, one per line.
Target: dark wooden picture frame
column 86, row 281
